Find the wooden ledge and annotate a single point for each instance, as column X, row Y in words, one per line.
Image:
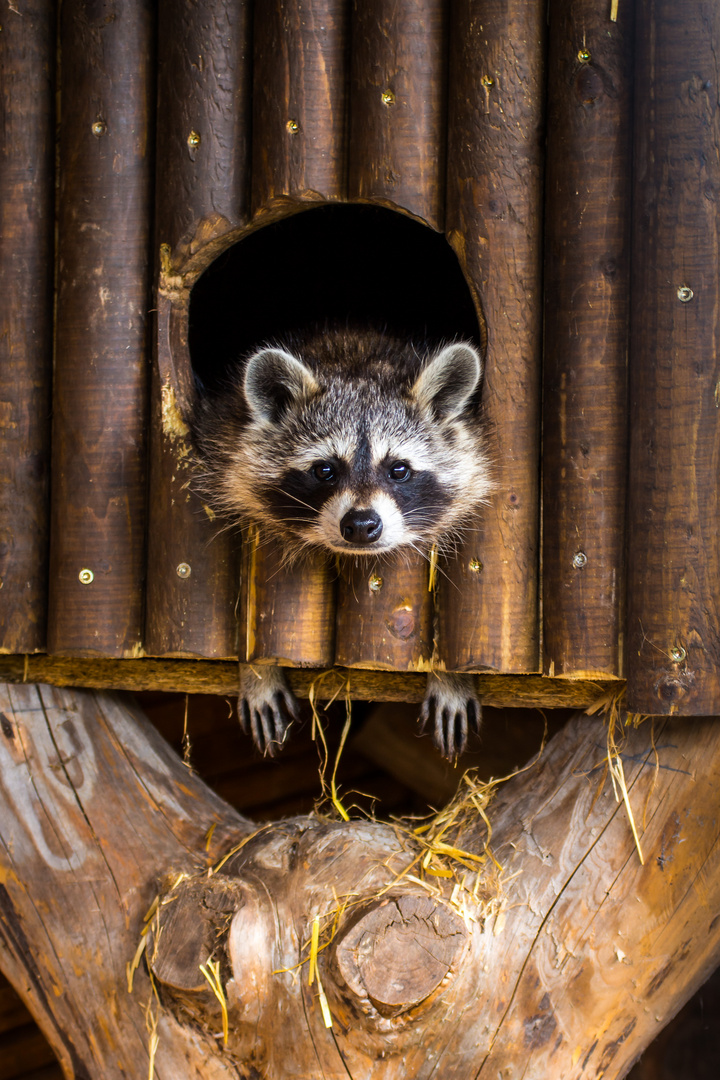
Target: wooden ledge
column 221, row 677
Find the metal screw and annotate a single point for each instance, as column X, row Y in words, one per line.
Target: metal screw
column 86, row 576
column 677, row 654
column 194, row 140
column 487, row 81
column 684, row 294
column 388, row 97
column 475, row 566
column 184, row 570
column 99, row 128
column 292, row 126
column 579, row 560
column 584, row 56
column 375, row 583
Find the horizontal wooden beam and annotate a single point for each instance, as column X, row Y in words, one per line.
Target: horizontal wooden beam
column 221, row 677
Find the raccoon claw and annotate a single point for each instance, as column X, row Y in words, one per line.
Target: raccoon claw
column 451, row 710
column 266, row 707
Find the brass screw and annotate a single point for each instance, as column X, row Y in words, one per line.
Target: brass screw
column 99, row 128
column 684, row 294
column 584, row 56
column 388, row 97
column 677, row 654
column 194, row 140
column 86, row 576
column 579, row 560
column 184, row 570
column 292, row 126
column 475, row 566
column 375, row 583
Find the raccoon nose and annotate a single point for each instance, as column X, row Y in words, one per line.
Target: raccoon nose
column 361, row 527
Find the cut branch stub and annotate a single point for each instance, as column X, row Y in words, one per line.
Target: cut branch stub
column 400, row 952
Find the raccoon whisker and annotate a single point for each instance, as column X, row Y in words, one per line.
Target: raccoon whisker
column 438, row 569
column 289, row 495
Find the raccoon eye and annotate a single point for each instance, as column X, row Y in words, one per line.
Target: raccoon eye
column 399, row 471
column 323, row 471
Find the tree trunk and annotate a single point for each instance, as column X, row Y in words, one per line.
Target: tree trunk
column 564, row 958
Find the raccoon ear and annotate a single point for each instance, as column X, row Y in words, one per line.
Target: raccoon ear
column 448, row 381
column 274, row 382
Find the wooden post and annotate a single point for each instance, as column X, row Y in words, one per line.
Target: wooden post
column 397, row 106
column 299, row 152
column 587, row 292
column 488, row 608
column 202, row 196
column 570, row 956
column 97, row 550
column 674, row 498
column 397, row 109
column 27, row 104
column 300, row 79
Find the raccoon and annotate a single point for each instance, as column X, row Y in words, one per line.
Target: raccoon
column 357, row 442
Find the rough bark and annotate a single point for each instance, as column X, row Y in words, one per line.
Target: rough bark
column 566, row 965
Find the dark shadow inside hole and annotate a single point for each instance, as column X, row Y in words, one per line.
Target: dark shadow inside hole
column 333, row 263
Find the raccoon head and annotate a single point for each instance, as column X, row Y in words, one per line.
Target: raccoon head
column 361, row 459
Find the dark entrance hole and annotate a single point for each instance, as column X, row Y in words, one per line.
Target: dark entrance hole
column 339, row 262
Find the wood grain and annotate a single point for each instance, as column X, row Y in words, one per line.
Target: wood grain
column 202, row 189
column 100, row 389
column 397, row 105
column 27, row 116
column 587, row 293
column 488, row 618
column 674, row 499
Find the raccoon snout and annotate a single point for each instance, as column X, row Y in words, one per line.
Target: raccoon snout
column 361, row 527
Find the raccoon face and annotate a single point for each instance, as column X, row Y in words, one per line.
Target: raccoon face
column 358, row 461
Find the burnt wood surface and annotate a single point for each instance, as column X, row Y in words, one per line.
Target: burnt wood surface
column 97, row 543
column 572, row 956
column 27, row 116
column 674, row 499
column 488, row 617
column 202, row 185
column 587, row 300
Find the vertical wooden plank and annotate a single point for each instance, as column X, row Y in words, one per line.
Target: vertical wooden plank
column 397, row 113
column 587, row 289
column 488, row 605
column 99, row 407
column 299, row 157
column 27, row 101
column 674, row 499
column 398, row 105
column 299, row 102
column 202, row 194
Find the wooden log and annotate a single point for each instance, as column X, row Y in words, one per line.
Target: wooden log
column 202, row 197
column 674, row 500
column 587, row 291
column 299, row 102
column 221, row 677
column 27, row 89
column 384, row 617
column 580, row 951
column 97, row 551
column 397, row 106
column 488, row 609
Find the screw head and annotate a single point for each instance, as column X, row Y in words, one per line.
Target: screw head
column 388, row 97
column 194, row 140
column 184, row 570
column 86, row 576
column 677, row 654
column 584, row 56
column 475, row 566
column 579, row 560
column 685, row 294
column 99, row 128
column 375, row 583
column 292, row 126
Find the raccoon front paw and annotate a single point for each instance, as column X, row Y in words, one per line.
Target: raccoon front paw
column 266, row 706
column 451, row 710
